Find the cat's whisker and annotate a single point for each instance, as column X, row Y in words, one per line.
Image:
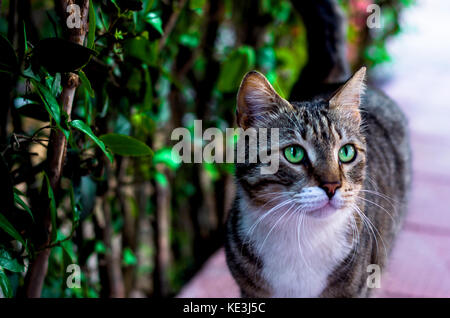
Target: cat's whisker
column 273, row 227
column 387, row 198
column 276, row 207
column 371, row 202
column 301, row 219
column 259, row 255
column 355, row 237
column 278, row 196
column 373, row 227
column 354, row 194
column 252, row 228
column 373, row 182
column 247, row 237
column 357, row 230
column 366, row 225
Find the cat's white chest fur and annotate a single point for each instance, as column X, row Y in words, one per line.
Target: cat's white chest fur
column 297, row 260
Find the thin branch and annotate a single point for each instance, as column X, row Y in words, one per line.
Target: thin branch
column 171, row 24
column 56, row 154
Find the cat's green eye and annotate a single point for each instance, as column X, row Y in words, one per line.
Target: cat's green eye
column 347, row 153
column 294, row 154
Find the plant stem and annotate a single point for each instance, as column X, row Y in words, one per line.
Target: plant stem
column 56, row 155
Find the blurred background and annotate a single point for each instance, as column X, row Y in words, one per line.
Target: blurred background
column 137, row 223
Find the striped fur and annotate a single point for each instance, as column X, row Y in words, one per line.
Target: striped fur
column 277, row 245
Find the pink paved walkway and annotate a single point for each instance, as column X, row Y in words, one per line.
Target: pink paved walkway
column 420, row 78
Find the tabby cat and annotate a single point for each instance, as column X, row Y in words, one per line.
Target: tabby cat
column 337, row 200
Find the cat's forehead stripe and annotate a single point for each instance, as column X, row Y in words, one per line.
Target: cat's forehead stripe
column 315, row 123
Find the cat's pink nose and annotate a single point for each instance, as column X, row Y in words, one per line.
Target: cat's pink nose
column 330, row 187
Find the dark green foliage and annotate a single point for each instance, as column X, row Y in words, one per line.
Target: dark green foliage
column 80, row 125
column 125, row 145
column 59, row 55
column 8, row 58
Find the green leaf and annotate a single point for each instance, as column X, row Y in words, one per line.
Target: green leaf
column 100, row 247
column 68, row 254
column 266, row 58
column 5, row 284
column 92, row 25
column 197, row 5
column 128, row 257
column 8, row 228
column 86, row 82
column 50, row 102
column 144, row 121
column 25, row 38
column 154, row 20
column 20, row 202
column 141, row 49
column 51, row 105
column 56, row 85
column 59, row 55
column 118, row 35
column 7, row 262
column 78, row 124
column 29, row 74
column 53, row 215
column 189, row 40
column 235, row 66
column 148, row 97
column 165, row 156
column 377, row 53
column 75, row 209
column 161, row 179
column 125, row 145
column 211, row 170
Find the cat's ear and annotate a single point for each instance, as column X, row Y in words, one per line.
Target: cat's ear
column 349, row 95
column 257, row 100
